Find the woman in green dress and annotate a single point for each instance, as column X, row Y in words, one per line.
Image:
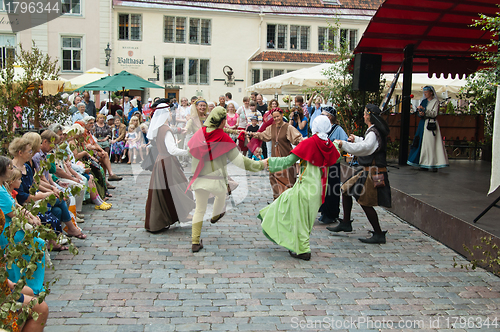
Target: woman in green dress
column 288, row 221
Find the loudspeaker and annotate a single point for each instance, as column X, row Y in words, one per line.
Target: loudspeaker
column 366, row 75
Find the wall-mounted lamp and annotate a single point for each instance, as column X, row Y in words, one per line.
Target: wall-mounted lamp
column 228, row 71
column 107, row 51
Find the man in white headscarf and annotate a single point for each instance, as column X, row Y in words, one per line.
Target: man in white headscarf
column 288, row 221
column 168, row 200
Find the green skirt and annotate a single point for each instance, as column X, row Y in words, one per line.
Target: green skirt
column 289, row 220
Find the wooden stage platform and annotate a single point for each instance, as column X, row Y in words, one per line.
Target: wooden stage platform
column 444, row 204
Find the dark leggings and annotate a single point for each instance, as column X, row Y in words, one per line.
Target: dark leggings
column 370, row 212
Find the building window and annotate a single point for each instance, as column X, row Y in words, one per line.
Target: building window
column 175, row 30
column 205, row 31
column 349, row 39
column 327, row 39
column 129, row 26
column 174, row 71
column 193, row 71
column 71, row 53
column 7, row 49
column 276, row 36
column 269, row 73
column 179, row 71
column 168, row 70
column 180, row 30
column 255, row 76
column 204, row 73
column 299, row 37
column 194, row 29
column 70, row 7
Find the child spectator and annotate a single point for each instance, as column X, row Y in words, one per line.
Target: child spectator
column 146, row 145
column 133, row 144
column 253, row 127
column 253, row 112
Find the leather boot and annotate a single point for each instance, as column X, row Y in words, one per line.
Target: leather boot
column 341, row 227
column 375, row 238
column 197, row 247
column 305, row 256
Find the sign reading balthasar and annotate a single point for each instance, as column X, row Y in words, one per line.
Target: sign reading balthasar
column 130, row 61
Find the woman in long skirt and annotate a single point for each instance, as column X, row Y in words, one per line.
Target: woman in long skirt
column 168, row 201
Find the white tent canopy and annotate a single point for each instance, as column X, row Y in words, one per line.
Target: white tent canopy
column 293, row 82
column 445, row 87
column 296, row 82
column 89, row 76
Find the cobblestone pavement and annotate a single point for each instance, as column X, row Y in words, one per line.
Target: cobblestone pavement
column 126, row 279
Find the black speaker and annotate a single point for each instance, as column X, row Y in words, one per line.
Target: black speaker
column 366, row 75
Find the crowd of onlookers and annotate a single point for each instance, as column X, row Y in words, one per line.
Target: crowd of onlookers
column 72, row 161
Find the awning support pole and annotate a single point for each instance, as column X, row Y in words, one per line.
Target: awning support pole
column 406, row 105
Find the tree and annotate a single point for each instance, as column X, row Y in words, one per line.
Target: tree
column 338, row 89
column 24, row 95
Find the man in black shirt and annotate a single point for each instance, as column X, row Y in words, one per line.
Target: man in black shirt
column 89, row 105
column 261, row 106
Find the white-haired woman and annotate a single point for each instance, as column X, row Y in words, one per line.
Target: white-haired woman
column 80, row 115
column 168, row 200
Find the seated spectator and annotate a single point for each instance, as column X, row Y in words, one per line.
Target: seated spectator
column 118, row 139
column 80, row 115
column 21, row 149
column 110, row 120
column 102, row 132
column 8, row 206
column 73, row 133
column 27, row 295
column 100, row 154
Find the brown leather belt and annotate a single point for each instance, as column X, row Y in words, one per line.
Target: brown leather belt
column 378, row 169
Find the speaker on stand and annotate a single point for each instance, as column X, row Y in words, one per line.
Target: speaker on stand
column 366, row 76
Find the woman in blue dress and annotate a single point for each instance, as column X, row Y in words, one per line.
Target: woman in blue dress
column 427, row 150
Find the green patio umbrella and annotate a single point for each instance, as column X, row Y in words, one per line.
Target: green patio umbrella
column 121, row 81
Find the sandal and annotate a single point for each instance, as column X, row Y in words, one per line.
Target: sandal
column 108, row 194
column 80, row 236
column 59, row 247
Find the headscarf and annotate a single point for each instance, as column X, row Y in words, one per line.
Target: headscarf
column 424, row 101
column 215, row 118
column 194, row 113
column 161, row 115
column 320, row 126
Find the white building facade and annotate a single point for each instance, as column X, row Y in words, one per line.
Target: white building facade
column 190, row 47
column 77, row 38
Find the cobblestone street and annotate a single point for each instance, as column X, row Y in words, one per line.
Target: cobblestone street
column 126, row 279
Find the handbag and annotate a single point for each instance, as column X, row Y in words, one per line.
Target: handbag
column 378, row 180
column 432, row 126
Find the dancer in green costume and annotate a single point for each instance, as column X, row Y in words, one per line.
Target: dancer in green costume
column 288, row 221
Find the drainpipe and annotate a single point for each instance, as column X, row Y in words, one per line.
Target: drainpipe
column 258, row 49
column 111, row 33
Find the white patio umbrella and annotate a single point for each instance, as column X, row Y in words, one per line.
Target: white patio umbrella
column 89, row 76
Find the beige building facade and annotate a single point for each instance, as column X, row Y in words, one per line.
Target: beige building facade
column 190, row 47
